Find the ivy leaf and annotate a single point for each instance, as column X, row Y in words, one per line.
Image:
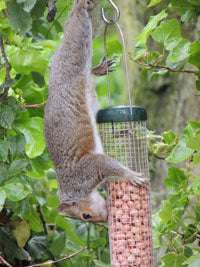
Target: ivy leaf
column 33, row 132
column 21, row 232
column 16, row 191
column 175, row 179
column 196, row 159
column 194, row 143
column 180, row 52
column 181, row 152
column 169, row 137
column 25, row 61
column 154, row 2
column 19, row 19
column 2, row 198
column 166, row 211
column 194, row 58
column 6, row 117
column 140, row 50
column 193, row 261
column 17, row 166
column 151, row 25
column 168, row 33
column 172, row 259
column 3, row 150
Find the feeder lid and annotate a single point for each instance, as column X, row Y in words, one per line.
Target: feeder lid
column 121, row 114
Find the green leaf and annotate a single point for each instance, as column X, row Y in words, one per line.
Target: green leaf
column 154, row 2
column 168, row 33
column 58, row 243
column 33, row 132
column 61, row 222
column 2, row 5
column 175, row 179
column 16, row 191
column 25, row 61
column 181, row 152
column 6, row 117
column 35, row 221
column 20, row 144
column 11, row 142
column 169, row 137
column 21, row 232
column 140, row 50
column 181, row 51
column 194, row 58
column 17, row 166
column 114, row 50
column 10, row 247
column 193, row 261
column 19, row 19
column 151, row 25
column 3, row 150
column 29, row 4
column 172, row 259
column 194, row 143
column 37, row 246
column 2, row 198
column 166, row 211
column 196, row 159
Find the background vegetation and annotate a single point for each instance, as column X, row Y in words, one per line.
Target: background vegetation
column 31, row 230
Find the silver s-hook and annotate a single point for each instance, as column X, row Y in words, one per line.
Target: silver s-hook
column 117, row 15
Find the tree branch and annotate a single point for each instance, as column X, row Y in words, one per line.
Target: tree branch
column 42, row 219
column 59, row 260
column 7, row 78
column 163, row 67
column 2, row 260
column 34, row 105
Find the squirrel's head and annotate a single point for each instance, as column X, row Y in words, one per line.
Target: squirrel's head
column 92, row 210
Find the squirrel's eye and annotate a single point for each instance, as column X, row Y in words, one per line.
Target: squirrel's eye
column 86, row 216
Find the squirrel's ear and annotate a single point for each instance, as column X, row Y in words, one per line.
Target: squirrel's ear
column 64, row 207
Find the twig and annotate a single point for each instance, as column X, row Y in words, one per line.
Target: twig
column 52, row 10
column 62, row 259
column 7, row 78
column 42, row 219
column 2, row 260
column 163, row 67
column 34, row 105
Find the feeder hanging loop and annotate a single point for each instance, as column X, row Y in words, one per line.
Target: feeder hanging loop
column 117, row 15
column 110, row 22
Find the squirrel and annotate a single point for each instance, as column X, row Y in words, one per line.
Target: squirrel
column 70, row 126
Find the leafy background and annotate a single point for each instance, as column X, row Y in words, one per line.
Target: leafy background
column 31, row 230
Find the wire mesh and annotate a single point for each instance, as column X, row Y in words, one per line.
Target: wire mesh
column 129, row 206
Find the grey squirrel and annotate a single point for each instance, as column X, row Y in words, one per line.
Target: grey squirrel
column 70, row 127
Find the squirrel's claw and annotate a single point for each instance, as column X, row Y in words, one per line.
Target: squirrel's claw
column 100, row 70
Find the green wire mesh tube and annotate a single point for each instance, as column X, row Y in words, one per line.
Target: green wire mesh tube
column 130, row 234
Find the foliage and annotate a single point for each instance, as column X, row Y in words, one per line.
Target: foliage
column 31, row 230
column 176, row 225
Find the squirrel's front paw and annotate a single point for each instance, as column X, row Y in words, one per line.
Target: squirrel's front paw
column 138, row 179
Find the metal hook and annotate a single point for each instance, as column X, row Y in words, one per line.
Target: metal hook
column 117, row 15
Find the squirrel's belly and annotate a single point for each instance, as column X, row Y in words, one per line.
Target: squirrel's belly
column 91, row 105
